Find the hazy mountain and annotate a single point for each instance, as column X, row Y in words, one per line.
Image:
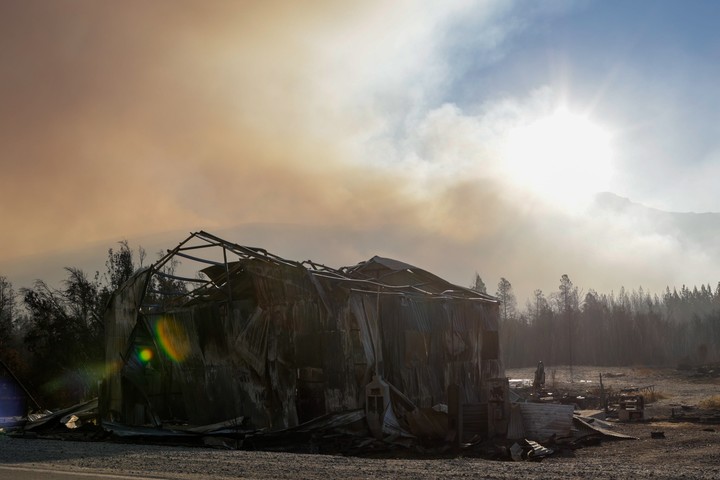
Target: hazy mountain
column 693, row 230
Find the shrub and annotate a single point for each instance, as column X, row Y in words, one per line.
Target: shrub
column 653, row 396
column 712, row 403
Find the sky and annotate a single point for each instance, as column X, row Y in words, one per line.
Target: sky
column 458, row 136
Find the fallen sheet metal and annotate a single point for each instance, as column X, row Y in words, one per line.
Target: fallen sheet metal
column 588, row 426
column 538, row 451
column 529, row 450
column 228, row 425
column 516, row 430
column 124, row 431
column 331, row 421
column 543, row 421
column 86, row 410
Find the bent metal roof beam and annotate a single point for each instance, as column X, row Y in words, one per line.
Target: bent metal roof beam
column 223, row 256
column 357, row 273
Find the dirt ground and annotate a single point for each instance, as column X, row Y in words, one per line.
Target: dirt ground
column 690, row 448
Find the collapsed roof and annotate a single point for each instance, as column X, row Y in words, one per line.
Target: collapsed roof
column 237, row 334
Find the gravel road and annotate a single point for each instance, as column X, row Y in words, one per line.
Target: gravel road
column 687, row 452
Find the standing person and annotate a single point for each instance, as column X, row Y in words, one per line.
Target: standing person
column 539, row 381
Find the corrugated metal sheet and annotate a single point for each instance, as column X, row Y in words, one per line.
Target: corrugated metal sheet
column 516, row 430
column 590, row 426
column 120, row 320
column 542, row 421
column 293, row 344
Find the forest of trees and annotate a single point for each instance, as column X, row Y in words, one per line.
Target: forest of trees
column 569, row 327
column 52, row 338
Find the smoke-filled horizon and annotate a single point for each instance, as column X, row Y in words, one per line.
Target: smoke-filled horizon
column 461, row 137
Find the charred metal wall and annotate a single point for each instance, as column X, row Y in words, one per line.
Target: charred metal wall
column 121, row 316
column 281, row 346
column 429, row 343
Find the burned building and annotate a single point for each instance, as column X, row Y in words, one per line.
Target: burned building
column 253, row 338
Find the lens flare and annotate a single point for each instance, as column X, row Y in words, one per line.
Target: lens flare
column 79, row 379
column 172, row 339
column 145, row 355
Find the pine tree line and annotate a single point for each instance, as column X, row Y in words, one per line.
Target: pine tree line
column 570, row 327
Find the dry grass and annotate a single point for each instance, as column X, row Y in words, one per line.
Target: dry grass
column 650, row 396
column 711, row 403
column 654, row 396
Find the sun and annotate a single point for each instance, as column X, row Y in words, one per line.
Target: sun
column 562, row 157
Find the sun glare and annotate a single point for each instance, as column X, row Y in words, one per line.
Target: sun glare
column 563, row 157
